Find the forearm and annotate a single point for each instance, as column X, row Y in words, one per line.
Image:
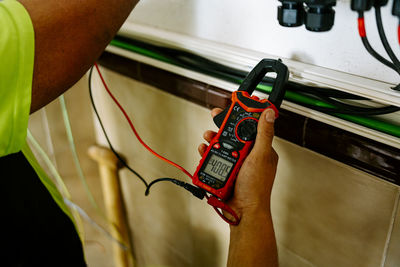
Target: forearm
column 253, row 241
column 69, row 37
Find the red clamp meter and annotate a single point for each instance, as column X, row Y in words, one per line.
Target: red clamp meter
column 237, row 124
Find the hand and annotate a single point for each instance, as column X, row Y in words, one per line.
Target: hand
column 255, row 179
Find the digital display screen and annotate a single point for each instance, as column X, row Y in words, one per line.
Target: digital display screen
column 218, row 167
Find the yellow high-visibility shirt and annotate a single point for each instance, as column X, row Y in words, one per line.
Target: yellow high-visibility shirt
column 17, row 49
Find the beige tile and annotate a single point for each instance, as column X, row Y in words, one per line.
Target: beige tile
column 328, row 213
column 288, row 258
column 393, row 253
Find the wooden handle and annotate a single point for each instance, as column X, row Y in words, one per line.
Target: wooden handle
column 114, row 205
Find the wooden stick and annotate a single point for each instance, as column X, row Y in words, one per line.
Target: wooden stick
column 115, row 210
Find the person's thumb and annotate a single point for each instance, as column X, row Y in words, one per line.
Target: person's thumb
column 265, row 130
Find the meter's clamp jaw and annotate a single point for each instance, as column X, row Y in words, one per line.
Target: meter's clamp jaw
column 253, row 79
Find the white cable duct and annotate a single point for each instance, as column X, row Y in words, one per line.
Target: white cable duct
column 319, row 116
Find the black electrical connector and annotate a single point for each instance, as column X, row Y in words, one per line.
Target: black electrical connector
column 380, row 3
column 361, row 5
column 317, row 15
column 196, row 191
column 320, row 15
column 396, row 8
column 291, row 13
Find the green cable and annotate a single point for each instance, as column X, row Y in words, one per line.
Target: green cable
column 140, row 50
column 82, row 177
column 78, row 211
column 58, row 179
column 361, row 120
column 72, row 146
column 369, row 122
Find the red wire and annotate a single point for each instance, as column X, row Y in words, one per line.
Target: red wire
column 133, row 127
column 361, row 27
column 213, row 201
column 398, row 33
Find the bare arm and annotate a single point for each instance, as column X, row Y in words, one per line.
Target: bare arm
column 252, row 242
column 69, row 37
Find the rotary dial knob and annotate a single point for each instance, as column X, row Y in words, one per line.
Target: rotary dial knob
column 247, row 130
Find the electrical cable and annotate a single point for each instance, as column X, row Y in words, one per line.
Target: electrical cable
column 291, row 95
column 341, row 107
column 92, row 222
column 58, row 179
column 197, row 192
column 237, row 76
column 171, row 55
column 363, row 34
column 356, row 110
column 351, row 112
column 398, row 33
column 383, row 38
column 75, row 157
column 134, row 129
column 76, row 209
column 123, row 162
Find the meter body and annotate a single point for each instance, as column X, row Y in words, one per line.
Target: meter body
column 237, row 124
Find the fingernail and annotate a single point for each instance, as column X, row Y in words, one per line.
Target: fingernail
column 270, row 115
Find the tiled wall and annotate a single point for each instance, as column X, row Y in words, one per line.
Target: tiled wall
column 325, row 213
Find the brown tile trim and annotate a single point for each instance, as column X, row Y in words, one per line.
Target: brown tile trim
column 362, row 153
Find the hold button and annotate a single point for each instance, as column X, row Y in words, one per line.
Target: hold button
column 227, row 146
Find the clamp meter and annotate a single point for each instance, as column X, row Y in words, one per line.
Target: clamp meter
column 237, row 124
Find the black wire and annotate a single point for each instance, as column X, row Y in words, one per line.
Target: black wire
column 105, row 133
column 344, row 108
column 156, row 181
column 197, row 192
column 383, row 38
column 373, row 53
column 325, row 91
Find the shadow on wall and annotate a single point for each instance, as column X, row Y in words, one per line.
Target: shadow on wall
column 302, row 57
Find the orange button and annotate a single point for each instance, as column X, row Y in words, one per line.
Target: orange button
column 255, row 97
column 217, row 146
column 235, row 154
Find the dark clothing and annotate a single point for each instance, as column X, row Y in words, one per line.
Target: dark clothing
column 37, row 232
